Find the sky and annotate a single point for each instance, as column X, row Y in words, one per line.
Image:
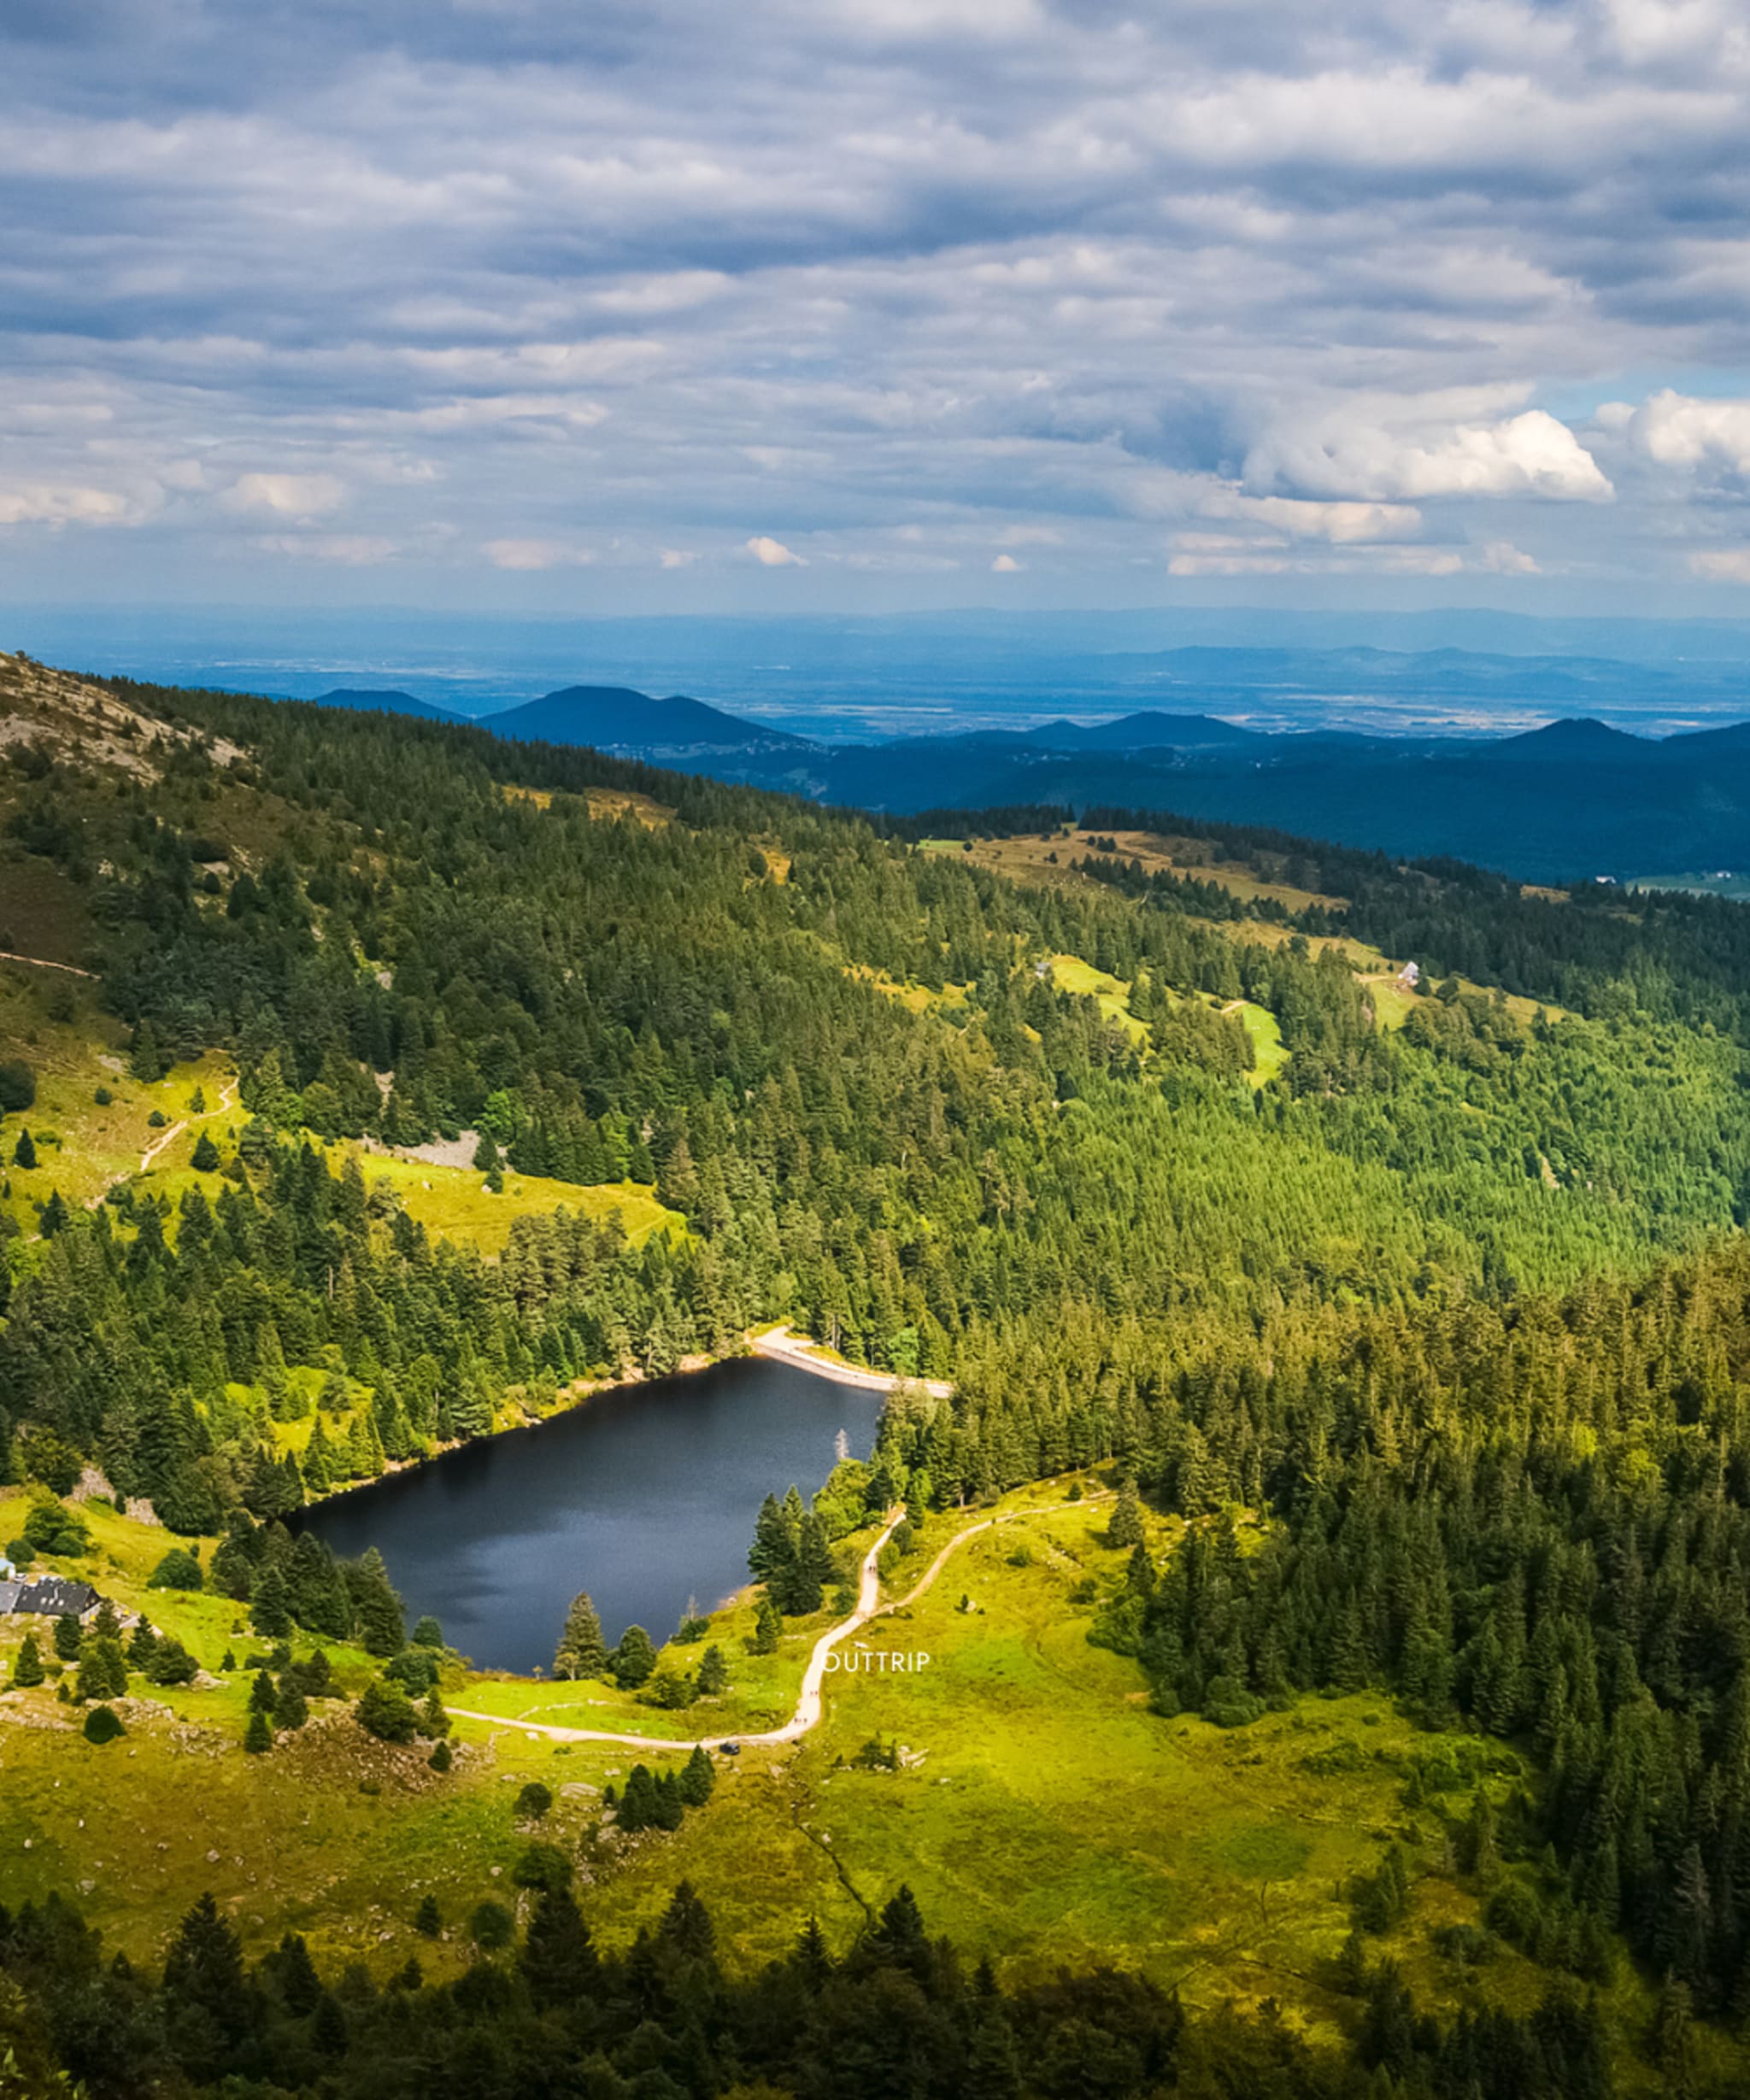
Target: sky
column 793, row 306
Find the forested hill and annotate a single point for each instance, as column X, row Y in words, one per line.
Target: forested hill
column 1144, row 1139
column 918, row 1100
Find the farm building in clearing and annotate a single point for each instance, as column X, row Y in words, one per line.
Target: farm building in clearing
column 53, row 1596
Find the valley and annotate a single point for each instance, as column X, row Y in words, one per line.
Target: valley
column 1317, row 1388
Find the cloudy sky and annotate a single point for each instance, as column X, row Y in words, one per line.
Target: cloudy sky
column 790, row 304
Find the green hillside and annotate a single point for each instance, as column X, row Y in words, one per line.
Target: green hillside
column 1416, row 1688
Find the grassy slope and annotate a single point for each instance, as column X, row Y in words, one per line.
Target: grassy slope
column 1048, row 1815
column 57, row 1024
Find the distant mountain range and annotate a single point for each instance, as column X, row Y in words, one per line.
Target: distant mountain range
column 1574, row 799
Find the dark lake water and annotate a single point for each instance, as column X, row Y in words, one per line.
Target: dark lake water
column 645, row 1496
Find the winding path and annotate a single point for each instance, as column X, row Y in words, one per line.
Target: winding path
column 809, row 1705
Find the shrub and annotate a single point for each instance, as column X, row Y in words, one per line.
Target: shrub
column 18, row 1086
column 543, row 1866
column 671, row 1688
column 534, row 1801
column 491, row 1927
column 51, row 1528
column 103, row 1097
column 171, row 1663
column 386, row 1712
column 103, row 1725
column 179, row 1570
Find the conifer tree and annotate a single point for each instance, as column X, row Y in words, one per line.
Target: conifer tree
column 768, row 1629
column 69, row 1638
column 270, row 1609
column 581, row 1651
column 697, row 1778
column 558, row 1961
column 1126, row 1529
column 634, row 1659
column 259, row 1735
column 381, row 1629
column 27, row 1668
column 713, row 1674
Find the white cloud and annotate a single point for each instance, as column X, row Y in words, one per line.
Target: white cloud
column 1681, row 430
column 1722, row 565
column 287, row 496
column 515, row 553
column 1006, row 564
column 772, row 554
column 40, row 503
column 352, row 550
column 1382, row 450
column 677, row 557
column 1502, row 558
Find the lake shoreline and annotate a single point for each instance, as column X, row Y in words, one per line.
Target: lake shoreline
column 779, row 1344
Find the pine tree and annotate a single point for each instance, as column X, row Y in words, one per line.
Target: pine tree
column 637, row 1807
column 581, row 1651
column 713, row 1674
column 382, row 1630
column 558, row 1961
column 698, row 1776
column 27, row 1670
column 634, row 1659
column 259, row 1735
column 774, row 1542
column 768, row 1629
column 69, row 1638
column 1125, row 1530
column 270, row 1608
column 103, row 1670
column 205, row 1158
column 428, row 1918
column 291, row 1710
column 24, row 1154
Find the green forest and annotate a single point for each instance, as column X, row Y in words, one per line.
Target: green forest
column 1452, row 1309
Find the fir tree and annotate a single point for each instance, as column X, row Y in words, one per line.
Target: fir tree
column 558, row 1962
column 697, row 1778
column 270, row 1609
column 259, row 1735
column 27, row 1668
column 634, row 1659
column 768, row 1629
column 581, row 1651
column 1125, row 1530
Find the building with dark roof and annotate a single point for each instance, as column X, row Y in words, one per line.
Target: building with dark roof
column 52, row 1597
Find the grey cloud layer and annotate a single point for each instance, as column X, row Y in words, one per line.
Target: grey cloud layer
column 508, row 286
